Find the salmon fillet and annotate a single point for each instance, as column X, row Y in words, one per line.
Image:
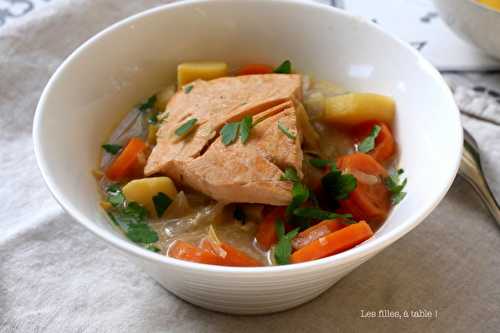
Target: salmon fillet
column 239, row 172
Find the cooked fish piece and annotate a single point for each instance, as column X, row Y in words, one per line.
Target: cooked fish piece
column 238, row 172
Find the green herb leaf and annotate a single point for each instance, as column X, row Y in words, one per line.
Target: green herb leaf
column 186, row 128
column 188, row 88
column 112, row 149
column 280, row 228
column 148, row 104
column 115, row 196
column 290, row 174
column 319, row 214
column 284, row 68
column 245, row 127
column 283, row 249
column 153, row 118
column 161, row 202
column 142, row 233
column 153, row 248
column 396, row 186
column 130, row 217
column 368, row 143
column 319, row 163
column 300, row 194
column 337, row 185
column 239, row 214
column 133, row 213
column 286, row 131
column 229, row 133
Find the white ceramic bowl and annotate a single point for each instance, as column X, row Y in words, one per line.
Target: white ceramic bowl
column 127, row 62
column 474, row 22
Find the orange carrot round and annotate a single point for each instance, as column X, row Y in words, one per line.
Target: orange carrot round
column 266, row 233
column 255, row 69
column 385, row 146
column 124, row 164
column 369, row 202
column 333, row 243
column 316, row 231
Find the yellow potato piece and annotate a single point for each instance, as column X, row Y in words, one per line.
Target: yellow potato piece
column 354, row 108
column 143, row 190
column 190, row 71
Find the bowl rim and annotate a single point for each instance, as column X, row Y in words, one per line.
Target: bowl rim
column 361, row 251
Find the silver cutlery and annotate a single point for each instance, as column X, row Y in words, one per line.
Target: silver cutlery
column 471, row 170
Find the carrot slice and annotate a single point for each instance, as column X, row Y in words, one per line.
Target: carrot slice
column 266, row 233
column 385, row 146
column 315, row 232
column 255, row 69
column 229, row 255
column 236, row 257
column 369, row 202
column 361, row 162
column 186, row 251
column 124, row 164
column 334, row 242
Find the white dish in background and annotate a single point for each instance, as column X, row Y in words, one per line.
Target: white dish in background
column 474, row 22
column 127, row 62
column 418, row 23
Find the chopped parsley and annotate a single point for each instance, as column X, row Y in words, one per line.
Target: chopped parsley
column 153, row 248
column 239, row 214
column 186, row 128
column 115, row 196
column 112, row 149
column 319, row 214
column 338, row 186
column 153, row 118
column 368, row 143
column 395, row 185
column 286, row 131
column 188, row 88
column 133, row 213
column 131, row 217
column 161, row 202
column 319, row 163
column 141, row 233
column 148, row 104
column 283, row 249
column 284, row 68
column 290, row 174
column 229, row 133
column 300, row 194
column 245, row 127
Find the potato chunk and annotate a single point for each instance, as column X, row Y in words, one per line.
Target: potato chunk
column 190, row 71
column 354, row 108
column 143, row 190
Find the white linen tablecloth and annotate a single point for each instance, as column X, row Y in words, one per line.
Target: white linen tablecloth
column 55, row 276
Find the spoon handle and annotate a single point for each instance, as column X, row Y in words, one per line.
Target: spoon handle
column 470, row 170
